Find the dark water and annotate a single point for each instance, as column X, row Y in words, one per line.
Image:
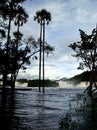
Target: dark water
column 31, row 110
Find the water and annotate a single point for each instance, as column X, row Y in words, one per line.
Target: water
column 31, row 110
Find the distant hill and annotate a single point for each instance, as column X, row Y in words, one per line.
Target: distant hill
column 85, row 76
column 63, row 79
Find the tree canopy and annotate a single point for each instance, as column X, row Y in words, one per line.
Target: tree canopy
column 86, row 51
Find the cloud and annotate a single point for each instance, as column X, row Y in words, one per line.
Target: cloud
column 83, row 10
column 67, row 18
column 27, row 75
column 82, row 15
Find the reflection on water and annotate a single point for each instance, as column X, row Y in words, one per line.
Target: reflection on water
column 7, row 107
column 31, row 110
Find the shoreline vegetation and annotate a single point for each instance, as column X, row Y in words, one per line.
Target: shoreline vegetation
column 82, row 115
column 80, row 79
column 32, row 83
column 35, row 83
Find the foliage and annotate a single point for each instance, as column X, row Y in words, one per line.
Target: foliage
column 43, row 16
column 67, row 123
column 81, row 117
column 86, row 50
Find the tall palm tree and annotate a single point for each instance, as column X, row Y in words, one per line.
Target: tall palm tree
column 46, row 19
column 20, row 19
column 39, row 20
column 43, row 17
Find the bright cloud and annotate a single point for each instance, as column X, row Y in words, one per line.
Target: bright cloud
column 67, row 18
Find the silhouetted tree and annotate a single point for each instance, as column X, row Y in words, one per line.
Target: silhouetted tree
column 16, row 52
column 20, row 19
column 3, row 56
column 43, row 17
column 38, row 18
column 86, row 50
column 26, row 49
column 8, row 11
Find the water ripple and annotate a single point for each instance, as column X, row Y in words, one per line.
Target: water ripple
column 31, row 110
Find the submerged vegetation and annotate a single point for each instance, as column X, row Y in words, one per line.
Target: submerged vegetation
column 81, row 117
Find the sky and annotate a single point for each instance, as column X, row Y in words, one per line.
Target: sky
column 68, row 16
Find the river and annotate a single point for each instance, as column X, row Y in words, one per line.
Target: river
column 31, row 110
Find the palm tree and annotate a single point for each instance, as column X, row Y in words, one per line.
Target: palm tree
column 46, row 19
column 20, row 19
column 39, row 20
column 43, row 17
column 8, row 12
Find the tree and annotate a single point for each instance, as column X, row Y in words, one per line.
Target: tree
column 3, row 56
column 16, row 52
column 20, row 19
column 46, row 19
column 8, row 11
column 43, row 17
column 26, row 49
column 86, row 50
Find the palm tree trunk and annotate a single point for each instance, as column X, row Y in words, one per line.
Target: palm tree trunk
column 7, row 44
column 9, row 25
column 43, row 57
column 8, row 35
column 40, row 57
column 7, row 50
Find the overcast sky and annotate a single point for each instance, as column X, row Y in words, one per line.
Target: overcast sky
column 68, row 16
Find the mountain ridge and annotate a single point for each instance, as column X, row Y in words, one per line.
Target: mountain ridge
column 83, row 77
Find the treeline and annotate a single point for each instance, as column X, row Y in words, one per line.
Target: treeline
column 83, row 77
column 35, row 83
